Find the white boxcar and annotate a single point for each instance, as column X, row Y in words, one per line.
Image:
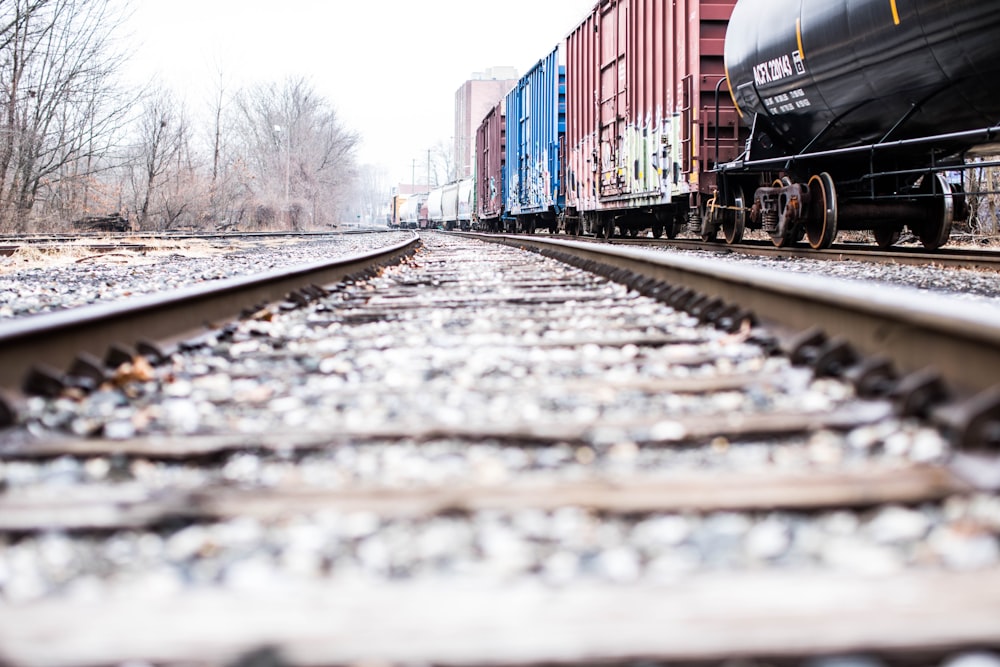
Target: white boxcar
column 435, row 210
column 449, row 204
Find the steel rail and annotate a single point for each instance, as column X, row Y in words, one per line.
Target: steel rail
column 56, row 339
column 102, row 241
column 954, row 258
column 961, row 342
column 97, row 248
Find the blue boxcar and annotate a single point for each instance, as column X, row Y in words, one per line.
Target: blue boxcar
column 536, row 127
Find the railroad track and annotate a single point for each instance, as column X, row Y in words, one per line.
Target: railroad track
column 487, row 456
column 48, row 351
column 957, row 258
column 107, row 242
column 836, row 325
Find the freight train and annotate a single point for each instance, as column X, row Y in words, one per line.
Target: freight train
column 616, row 129
column 799, row 119
column 448, row 207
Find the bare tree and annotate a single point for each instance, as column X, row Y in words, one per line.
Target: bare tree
column 299, row 156
column 224, row 190
column 442, row 159
column 60, row 108
column 159, row 159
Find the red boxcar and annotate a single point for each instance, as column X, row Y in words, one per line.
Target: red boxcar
column 643, row 77
column 490, row 148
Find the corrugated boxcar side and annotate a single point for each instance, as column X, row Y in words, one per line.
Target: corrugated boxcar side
column 535, row 123
column 490, row 148
column 641, row 77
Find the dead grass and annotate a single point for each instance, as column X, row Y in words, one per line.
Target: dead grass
column 28, row 257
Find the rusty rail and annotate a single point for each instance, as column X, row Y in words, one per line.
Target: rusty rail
column 936, row 349
column 55, row 339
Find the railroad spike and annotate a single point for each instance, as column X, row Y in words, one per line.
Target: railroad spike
column 298, row 298
column 731, row 318
column 973, row 423
column 872, row 377
column 765, row 340
column 804, row 348
column 318, row 290
column 834, row 357
column 117, row 355
column 917, row 393
column 659, row 290
column 153, row 352
column 87, row 372
column 44, row 381
column 711, row 311
column 683, row 298
column 8, row 411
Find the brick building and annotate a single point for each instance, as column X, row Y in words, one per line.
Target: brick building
column 472, row 100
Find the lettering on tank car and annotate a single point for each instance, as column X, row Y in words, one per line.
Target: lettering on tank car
column 778, row 69
column 787, row 102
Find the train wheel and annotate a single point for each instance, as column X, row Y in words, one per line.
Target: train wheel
column 886, row 237
column 607, row 229
column 785, row 241
column 676, row 223
column 935, row 231
column 657, row 230
column 821, row 223
column 734, row 220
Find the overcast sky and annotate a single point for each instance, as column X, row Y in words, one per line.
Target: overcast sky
column 390, row 67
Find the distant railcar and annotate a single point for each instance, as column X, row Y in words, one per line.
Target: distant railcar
column 435, row 208
column 490, row 159
column 535, row 126
column 466, row 203
column 449, row 206
column 424, row 219
column 396, row 212
column 409, row 217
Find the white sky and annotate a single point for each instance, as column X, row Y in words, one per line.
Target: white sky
column 390, row 67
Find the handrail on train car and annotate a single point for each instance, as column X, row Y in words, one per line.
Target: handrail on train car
column 987, row 132
column 718, row 103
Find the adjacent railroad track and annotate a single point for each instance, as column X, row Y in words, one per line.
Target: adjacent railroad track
column 483, row 455
column 958, row 257
column 104, row 242
column 44, row 350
